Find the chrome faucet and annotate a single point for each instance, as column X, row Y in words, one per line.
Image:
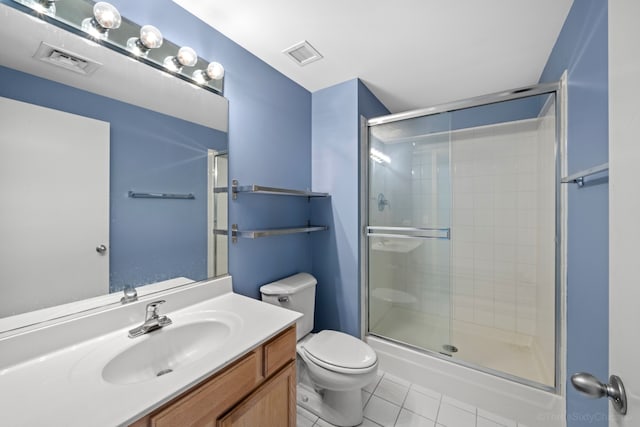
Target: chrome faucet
column 152, row 320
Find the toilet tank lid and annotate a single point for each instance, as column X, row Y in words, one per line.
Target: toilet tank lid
column 289, row 285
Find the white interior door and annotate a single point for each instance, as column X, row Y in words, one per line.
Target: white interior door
column 54, row 182
column 624, row 204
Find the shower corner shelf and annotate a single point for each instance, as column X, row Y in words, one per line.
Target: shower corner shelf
column 254, row 234
column 260, row 189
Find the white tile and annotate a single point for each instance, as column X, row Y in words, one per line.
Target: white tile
column 459, row 404
column 381, row 411
column 462, row 233
column 526, row 326
column 483, row 217
column 483, row 251
column 483, row 317
column 373, row 384
column 365, row 398
column 485, row 234
column 410, row 419
column 303, row 413
column 322, row 423
column 505, row 235
column 483, row 422
column 527, row 200
column 463, row 313
column 463, row 250
column 502, row 421
column 505, row 322
column 452, row 416
column 368, row 423
column 422, row 404
column 303, row 422
column 462, row 285
column 391, row 391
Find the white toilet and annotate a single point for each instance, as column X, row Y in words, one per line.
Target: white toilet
column 332, row 366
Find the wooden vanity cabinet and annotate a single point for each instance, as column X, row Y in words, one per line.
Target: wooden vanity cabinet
column 259, row 390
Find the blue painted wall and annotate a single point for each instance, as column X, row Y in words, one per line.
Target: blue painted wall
column 150, row 240
column 269, row 143
column 582, row 49
column 335, row 169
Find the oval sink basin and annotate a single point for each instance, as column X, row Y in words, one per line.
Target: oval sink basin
column 165, row 350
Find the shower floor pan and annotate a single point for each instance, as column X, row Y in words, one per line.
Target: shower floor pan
column 493, row 350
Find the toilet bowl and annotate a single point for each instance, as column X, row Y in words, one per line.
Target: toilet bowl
column 332, row 366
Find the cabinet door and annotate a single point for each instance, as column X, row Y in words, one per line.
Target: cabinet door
column 202, row 406
column 273, row 404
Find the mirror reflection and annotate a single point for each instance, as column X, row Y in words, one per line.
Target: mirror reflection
column 101, row 194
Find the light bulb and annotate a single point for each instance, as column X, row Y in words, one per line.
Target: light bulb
column 200, row 77
column 43, row 6
column 150, row 38
column 105, row 18
column 215, row 71
column 107, row 15
column 186, row 57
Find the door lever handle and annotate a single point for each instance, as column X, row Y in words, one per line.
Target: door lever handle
column 589, row 385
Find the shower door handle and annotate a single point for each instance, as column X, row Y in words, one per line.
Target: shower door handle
column 589, row 385
column 409, row 232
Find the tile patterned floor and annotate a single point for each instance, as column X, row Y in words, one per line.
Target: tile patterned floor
column 390, row 401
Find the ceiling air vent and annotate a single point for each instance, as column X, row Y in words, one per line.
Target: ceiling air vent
column 65, row 59
column 302, row 53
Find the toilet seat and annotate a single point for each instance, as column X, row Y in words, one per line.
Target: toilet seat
column 339, row 352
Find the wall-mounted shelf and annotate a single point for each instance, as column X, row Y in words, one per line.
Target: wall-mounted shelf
column 578, row 178
column 260, row 189
column 141, row 195
column 255, row 234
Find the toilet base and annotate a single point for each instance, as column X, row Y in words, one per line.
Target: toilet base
column 340, row 408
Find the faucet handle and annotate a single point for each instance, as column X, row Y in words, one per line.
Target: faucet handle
column 153, row 307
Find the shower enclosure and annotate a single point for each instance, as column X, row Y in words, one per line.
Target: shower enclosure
column 462, row 232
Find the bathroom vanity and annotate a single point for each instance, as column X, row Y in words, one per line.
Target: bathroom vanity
column 225, row 360
column 258, row 389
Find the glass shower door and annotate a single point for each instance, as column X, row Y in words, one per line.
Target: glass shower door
column 409, row 193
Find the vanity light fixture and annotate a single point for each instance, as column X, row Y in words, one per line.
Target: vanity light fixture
column 108, row 28
column 214, row 71
column 150, row 38
column 47, row 7
column 186, row 57
column 105, row 17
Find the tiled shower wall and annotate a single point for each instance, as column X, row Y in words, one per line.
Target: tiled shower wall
column 496, row 193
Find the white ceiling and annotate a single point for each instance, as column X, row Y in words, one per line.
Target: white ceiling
column 410, row 53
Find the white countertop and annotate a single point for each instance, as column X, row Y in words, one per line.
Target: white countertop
column 65, row 387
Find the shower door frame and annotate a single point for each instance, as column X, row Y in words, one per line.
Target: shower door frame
column 559, row 90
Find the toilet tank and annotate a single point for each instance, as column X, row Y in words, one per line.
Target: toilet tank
column 297, row 293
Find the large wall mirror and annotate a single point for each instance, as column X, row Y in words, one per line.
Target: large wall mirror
column 112, row 178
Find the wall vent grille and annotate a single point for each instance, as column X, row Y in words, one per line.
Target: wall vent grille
column 65, row 59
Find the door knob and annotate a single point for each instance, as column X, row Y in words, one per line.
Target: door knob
column 101, row 249
column 592, row 387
